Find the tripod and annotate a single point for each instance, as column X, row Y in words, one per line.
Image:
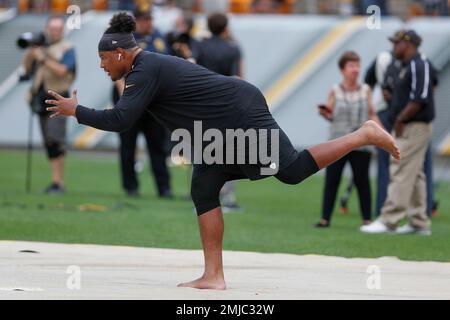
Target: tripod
column 29, row 153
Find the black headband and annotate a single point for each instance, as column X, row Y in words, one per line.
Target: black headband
column 112, row 41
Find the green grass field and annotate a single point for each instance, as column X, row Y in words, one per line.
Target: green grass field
column 276, row 217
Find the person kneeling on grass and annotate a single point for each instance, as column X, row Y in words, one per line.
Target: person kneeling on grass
column 179, row 94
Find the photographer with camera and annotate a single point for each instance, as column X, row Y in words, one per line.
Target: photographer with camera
column 50, row 61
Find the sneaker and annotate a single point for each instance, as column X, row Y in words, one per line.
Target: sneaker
column 54, row 188
column 322, row 225
column 232, row 207
column 166, row 194
column 434, row 210
column 133, row 193
column 409, row 229
column 375, row 227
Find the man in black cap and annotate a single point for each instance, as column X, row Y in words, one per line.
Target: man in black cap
column 156, row 136
column 384, row 71
column 412, row 111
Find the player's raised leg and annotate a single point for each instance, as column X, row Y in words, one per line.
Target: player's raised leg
column 211, row 223
column 369, row 134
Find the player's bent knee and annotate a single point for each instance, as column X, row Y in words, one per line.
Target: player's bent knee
column 303, row 167
column 204, row 194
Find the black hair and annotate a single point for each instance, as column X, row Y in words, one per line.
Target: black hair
column 121, row 23
column 217, row 23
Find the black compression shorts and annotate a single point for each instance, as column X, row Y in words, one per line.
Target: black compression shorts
column 293, row 166
column 208, row 180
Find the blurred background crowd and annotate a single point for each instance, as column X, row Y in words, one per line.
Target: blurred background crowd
column 293, row 50
column 403, row 8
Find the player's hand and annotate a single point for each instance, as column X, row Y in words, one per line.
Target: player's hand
column 62, row 106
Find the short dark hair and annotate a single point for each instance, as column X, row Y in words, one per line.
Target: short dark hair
column 217, row 23
column 348, row 56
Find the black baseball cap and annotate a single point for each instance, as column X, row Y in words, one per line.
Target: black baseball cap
column 406, row 35
column 142, row 13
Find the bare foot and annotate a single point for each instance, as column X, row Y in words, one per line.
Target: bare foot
column 205, row 283
column 380, row 138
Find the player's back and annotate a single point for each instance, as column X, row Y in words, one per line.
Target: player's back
column 188, row 92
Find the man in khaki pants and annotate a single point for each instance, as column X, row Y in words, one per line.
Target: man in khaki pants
column 412, row 113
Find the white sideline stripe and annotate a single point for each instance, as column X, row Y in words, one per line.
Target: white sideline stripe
column 10, row 82
column 7, row 15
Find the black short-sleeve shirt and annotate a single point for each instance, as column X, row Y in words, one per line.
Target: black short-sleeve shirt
column 415, row 83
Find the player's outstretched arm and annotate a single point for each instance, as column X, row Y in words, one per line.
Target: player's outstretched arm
column 116, row 119
column 138, row 94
